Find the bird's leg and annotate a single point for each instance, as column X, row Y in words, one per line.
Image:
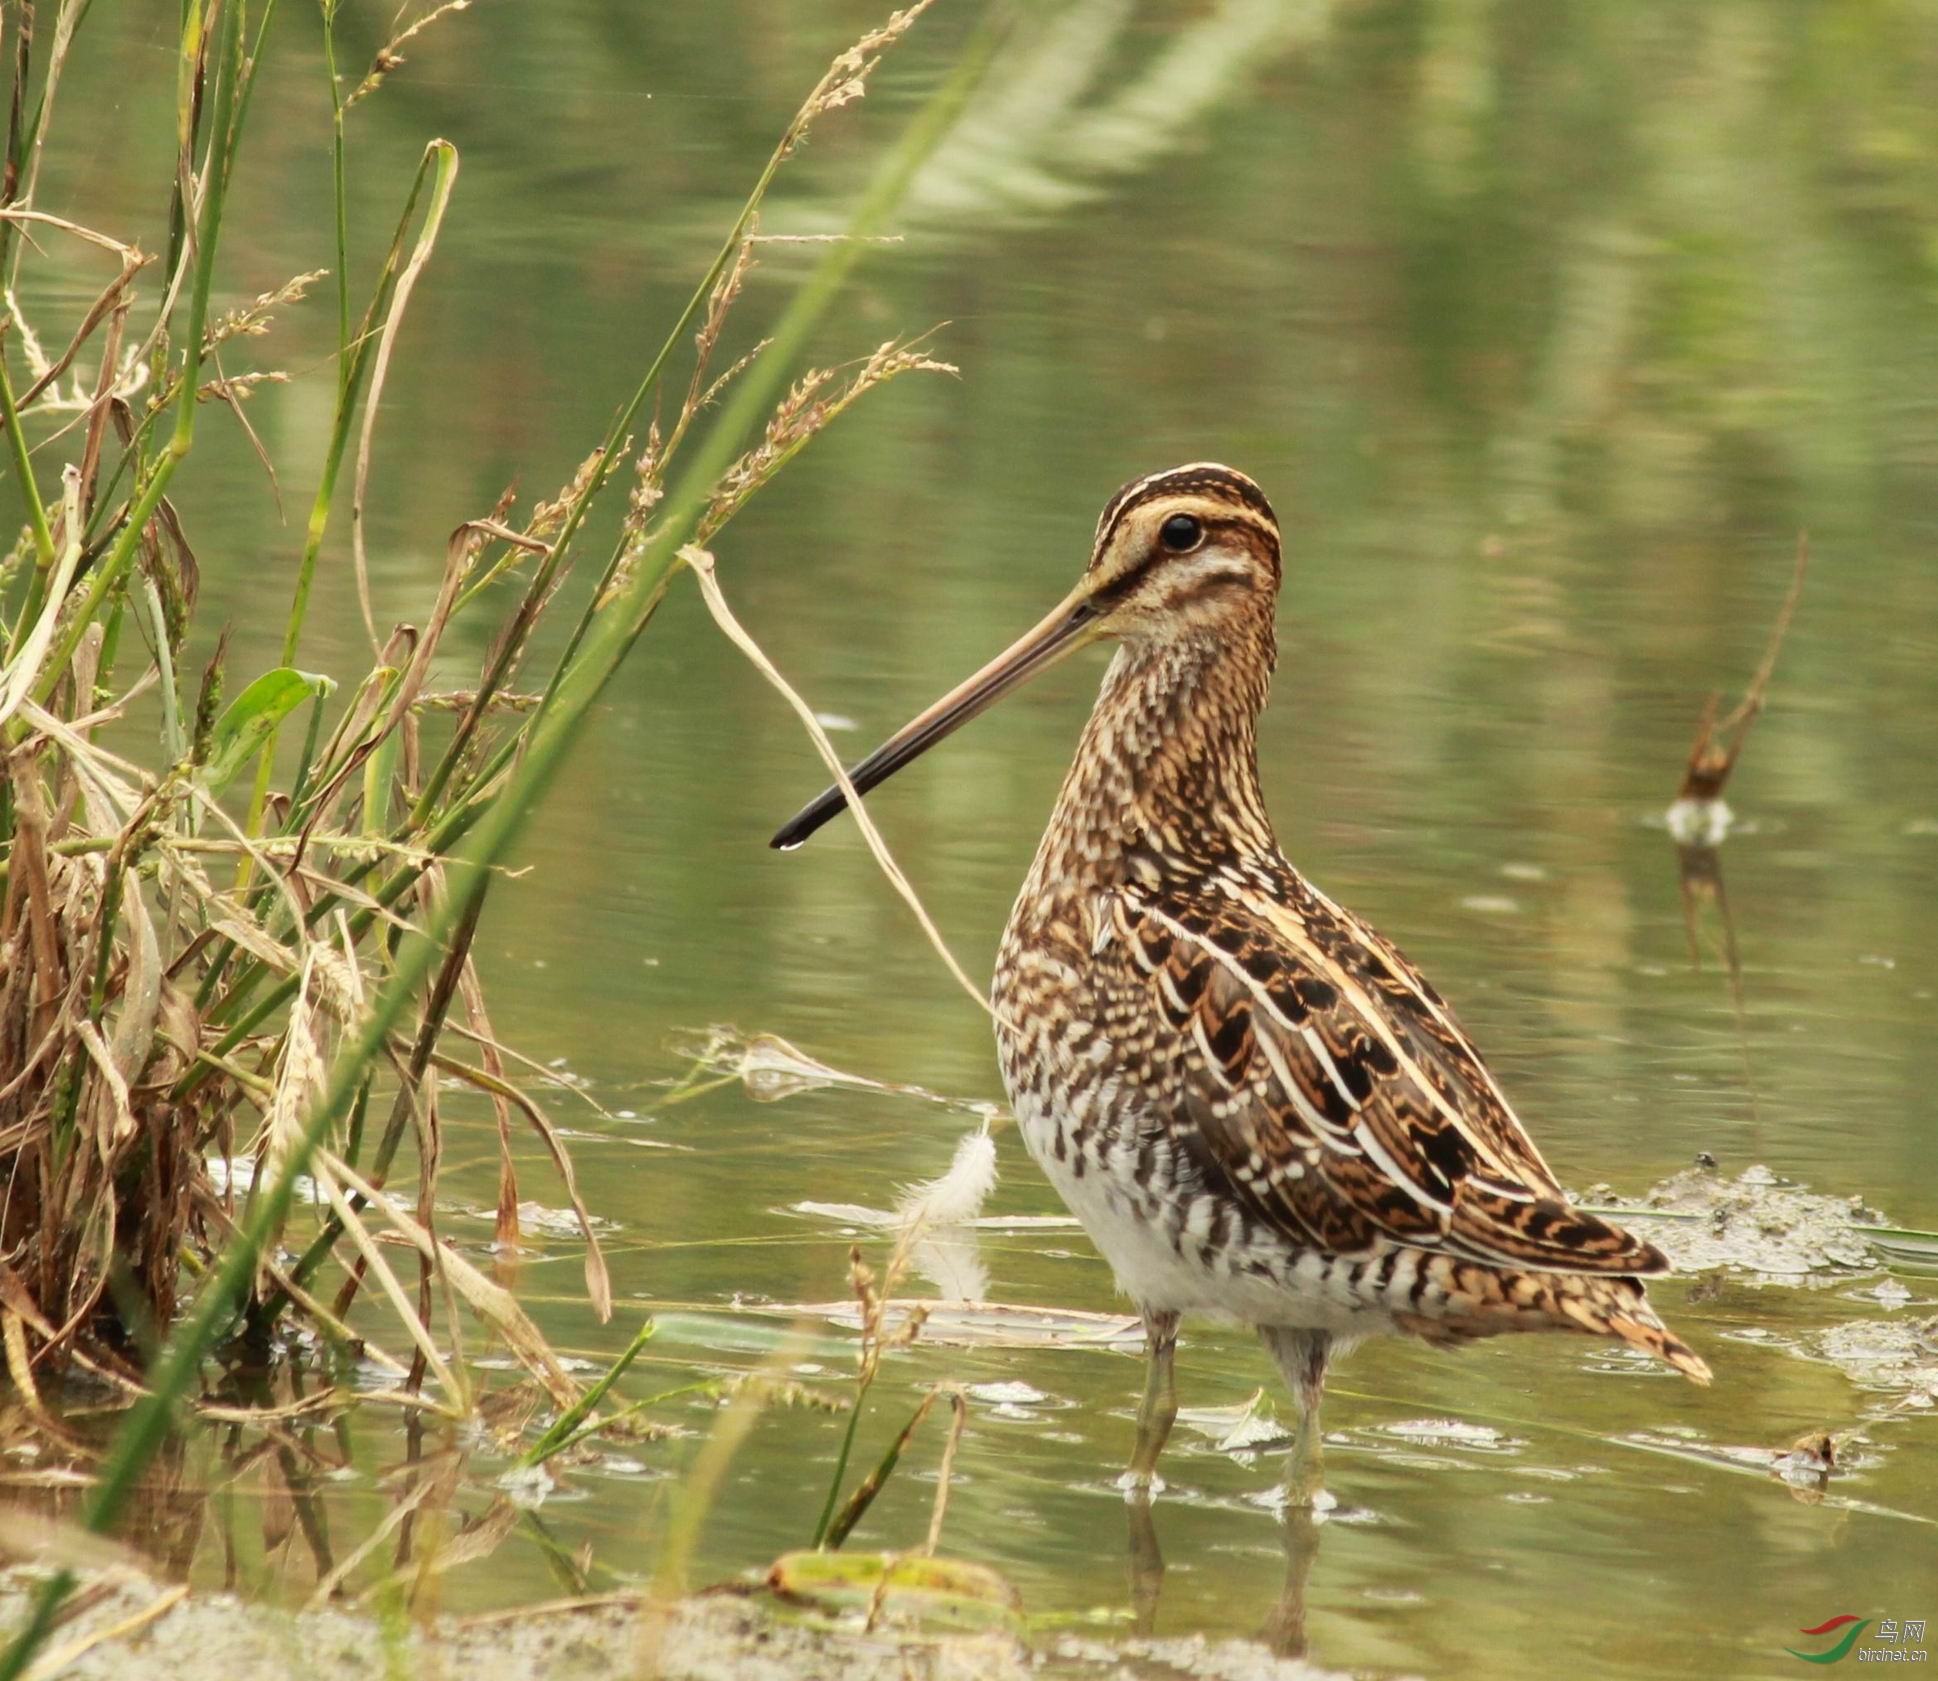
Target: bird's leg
column 1159, row 1410
column 1302, row 1358
column 1155, row 1416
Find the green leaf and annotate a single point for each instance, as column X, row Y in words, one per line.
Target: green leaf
column 250, row 719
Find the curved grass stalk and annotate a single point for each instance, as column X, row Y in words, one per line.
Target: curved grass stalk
column 446, row 180
column 700, row 563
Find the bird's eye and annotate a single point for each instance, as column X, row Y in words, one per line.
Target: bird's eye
column 1181, row 533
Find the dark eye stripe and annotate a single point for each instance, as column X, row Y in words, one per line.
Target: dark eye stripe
column 1240, row 525
column 1210, row 583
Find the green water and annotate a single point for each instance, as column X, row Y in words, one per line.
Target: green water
column 1548, row 328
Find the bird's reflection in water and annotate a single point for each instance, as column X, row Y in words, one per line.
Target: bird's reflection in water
column 1698, row 832
column 1283, row 1630
column 1146, row 1562
column 1700, row 872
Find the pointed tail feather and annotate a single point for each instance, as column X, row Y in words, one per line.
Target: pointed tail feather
column 1616, row 1307
column 1478, row 1301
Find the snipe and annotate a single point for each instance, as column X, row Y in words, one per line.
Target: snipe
column 1255, row 1105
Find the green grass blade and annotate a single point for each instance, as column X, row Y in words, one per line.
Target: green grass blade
column 562, row 1430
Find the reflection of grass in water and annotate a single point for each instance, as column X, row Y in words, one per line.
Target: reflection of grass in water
column 156, row 1014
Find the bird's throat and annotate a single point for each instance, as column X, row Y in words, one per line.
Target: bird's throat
column 1166, row 775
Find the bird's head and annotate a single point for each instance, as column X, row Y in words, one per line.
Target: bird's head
column 1186, row 554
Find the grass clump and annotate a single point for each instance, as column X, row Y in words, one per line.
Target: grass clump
column 236, row 969
column 179, row 962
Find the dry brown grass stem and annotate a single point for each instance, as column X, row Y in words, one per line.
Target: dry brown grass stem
column 939, row 1512
column 254, row 319
column 114, row 374
column 701, row 564
column 846, row 79
column 446, row 157
column 700, row 393
column 1719, row 743
column 814, row 402
column 446, row 177
column 389, row 56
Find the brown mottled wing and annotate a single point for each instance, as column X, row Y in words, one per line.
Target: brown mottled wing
column 1327, row 1084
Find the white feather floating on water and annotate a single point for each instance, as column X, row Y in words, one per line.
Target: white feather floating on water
column 957, row 1197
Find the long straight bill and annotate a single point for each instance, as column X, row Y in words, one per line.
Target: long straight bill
column 1069, row 627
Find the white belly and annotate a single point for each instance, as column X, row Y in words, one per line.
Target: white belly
column 1172, row 1253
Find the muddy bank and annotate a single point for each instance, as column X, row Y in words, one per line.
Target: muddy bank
column 1757, row 1225
column 721, row 1637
